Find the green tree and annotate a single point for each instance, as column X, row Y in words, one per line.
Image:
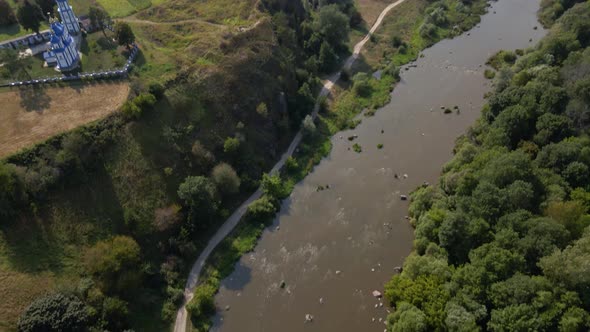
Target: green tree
column 231, row 145
column 522, row 317
column 46, row 6
column 55, row 312
column 309, row 128
column 7, row 16
column 408, row 318
column 226, row 179
column 15, row 64
column 114, row 264
column 273, row 187
column 99, row 18
column 200, row 195
column 261, row 210
column 574, row 320
column 202, row 155
column 333, row 25
column 12, row 193
column 115, row 314
column 124, row 34
column 30, row 15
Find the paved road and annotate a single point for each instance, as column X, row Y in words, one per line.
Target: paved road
column 234, row 219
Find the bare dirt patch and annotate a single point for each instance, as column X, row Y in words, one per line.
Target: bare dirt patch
column 32, row 115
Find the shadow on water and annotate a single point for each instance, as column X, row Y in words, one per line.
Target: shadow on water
column 243, row 276
column 34, row 99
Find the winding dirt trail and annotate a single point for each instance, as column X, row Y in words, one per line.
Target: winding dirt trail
column 234, row 219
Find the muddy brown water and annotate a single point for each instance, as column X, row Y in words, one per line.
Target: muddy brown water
column 340, row 244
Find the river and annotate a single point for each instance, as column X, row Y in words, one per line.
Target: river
column 332, row 248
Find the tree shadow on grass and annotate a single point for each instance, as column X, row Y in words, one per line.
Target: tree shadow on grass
column 52, row 239
column 34, row 99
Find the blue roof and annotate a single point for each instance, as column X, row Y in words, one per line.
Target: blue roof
column 57, row 28
column 54, row 39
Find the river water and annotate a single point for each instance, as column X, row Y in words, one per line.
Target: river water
column 332, row 248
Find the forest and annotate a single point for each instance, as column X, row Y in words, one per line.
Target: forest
column 502, row 241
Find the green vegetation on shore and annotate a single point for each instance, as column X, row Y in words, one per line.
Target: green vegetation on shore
column 361, row 92
column 502, row 240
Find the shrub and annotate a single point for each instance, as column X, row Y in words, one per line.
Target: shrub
column 489, row 74
column 131, row 110
column 115, row 314
column 226, row 179
column 291, row 164
column 231, row 145
column 274, row 187
column 309, row 127
column 396, row 41
column 203, row 156
column 114, row 264
column 357, row 148
column 166, row 218
column 362, row 85
column 202, row 304
column 261, row 210
column 55, row 312
column 200, row 195
column 262, row 110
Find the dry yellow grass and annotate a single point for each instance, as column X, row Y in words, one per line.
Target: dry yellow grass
column 32, row 115
column 17, row 291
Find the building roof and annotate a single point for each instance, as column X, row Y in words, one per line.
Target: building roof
column 57, row 28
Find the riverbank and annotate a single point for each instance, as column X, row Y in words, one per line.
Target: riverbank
column 337, row 115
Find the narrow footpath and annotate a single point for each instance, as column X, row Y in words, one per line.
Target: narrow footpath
column 234, row 219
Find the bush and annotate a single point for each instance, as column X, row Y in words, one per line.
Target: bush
column 203, row 156
column 489, row 74
column 202, row 305
column 362, row 85
column 231, row 145
column 115, row 314
column 262, row 110
column 56, row 312
column 200, row 196
column 309, row 128
column 132, row 109
column 261, row 210
column 226, row 179
column 291, row 164
column 114, row 264
column 274, row 187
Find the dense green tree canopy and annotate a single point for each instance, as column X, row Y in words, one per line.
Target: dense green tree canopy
column 503, row 241
column 56, row 312
column 30, row 15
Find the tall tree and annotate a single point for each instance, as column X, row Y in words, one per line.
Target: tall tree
column 7, row 16
column 30, row 15
column 124, row 34
column 15, row 64
column 47, row 6
column 99, row 18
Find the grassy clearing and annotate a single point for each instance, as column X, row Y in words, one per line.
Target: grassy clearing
column 227, row 12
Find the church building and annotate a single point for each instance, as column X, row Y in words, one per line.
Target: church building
column 64, row 51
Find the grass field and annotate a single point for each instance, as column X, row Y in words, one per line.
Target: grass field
column 33, row 115
column 122, row 8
